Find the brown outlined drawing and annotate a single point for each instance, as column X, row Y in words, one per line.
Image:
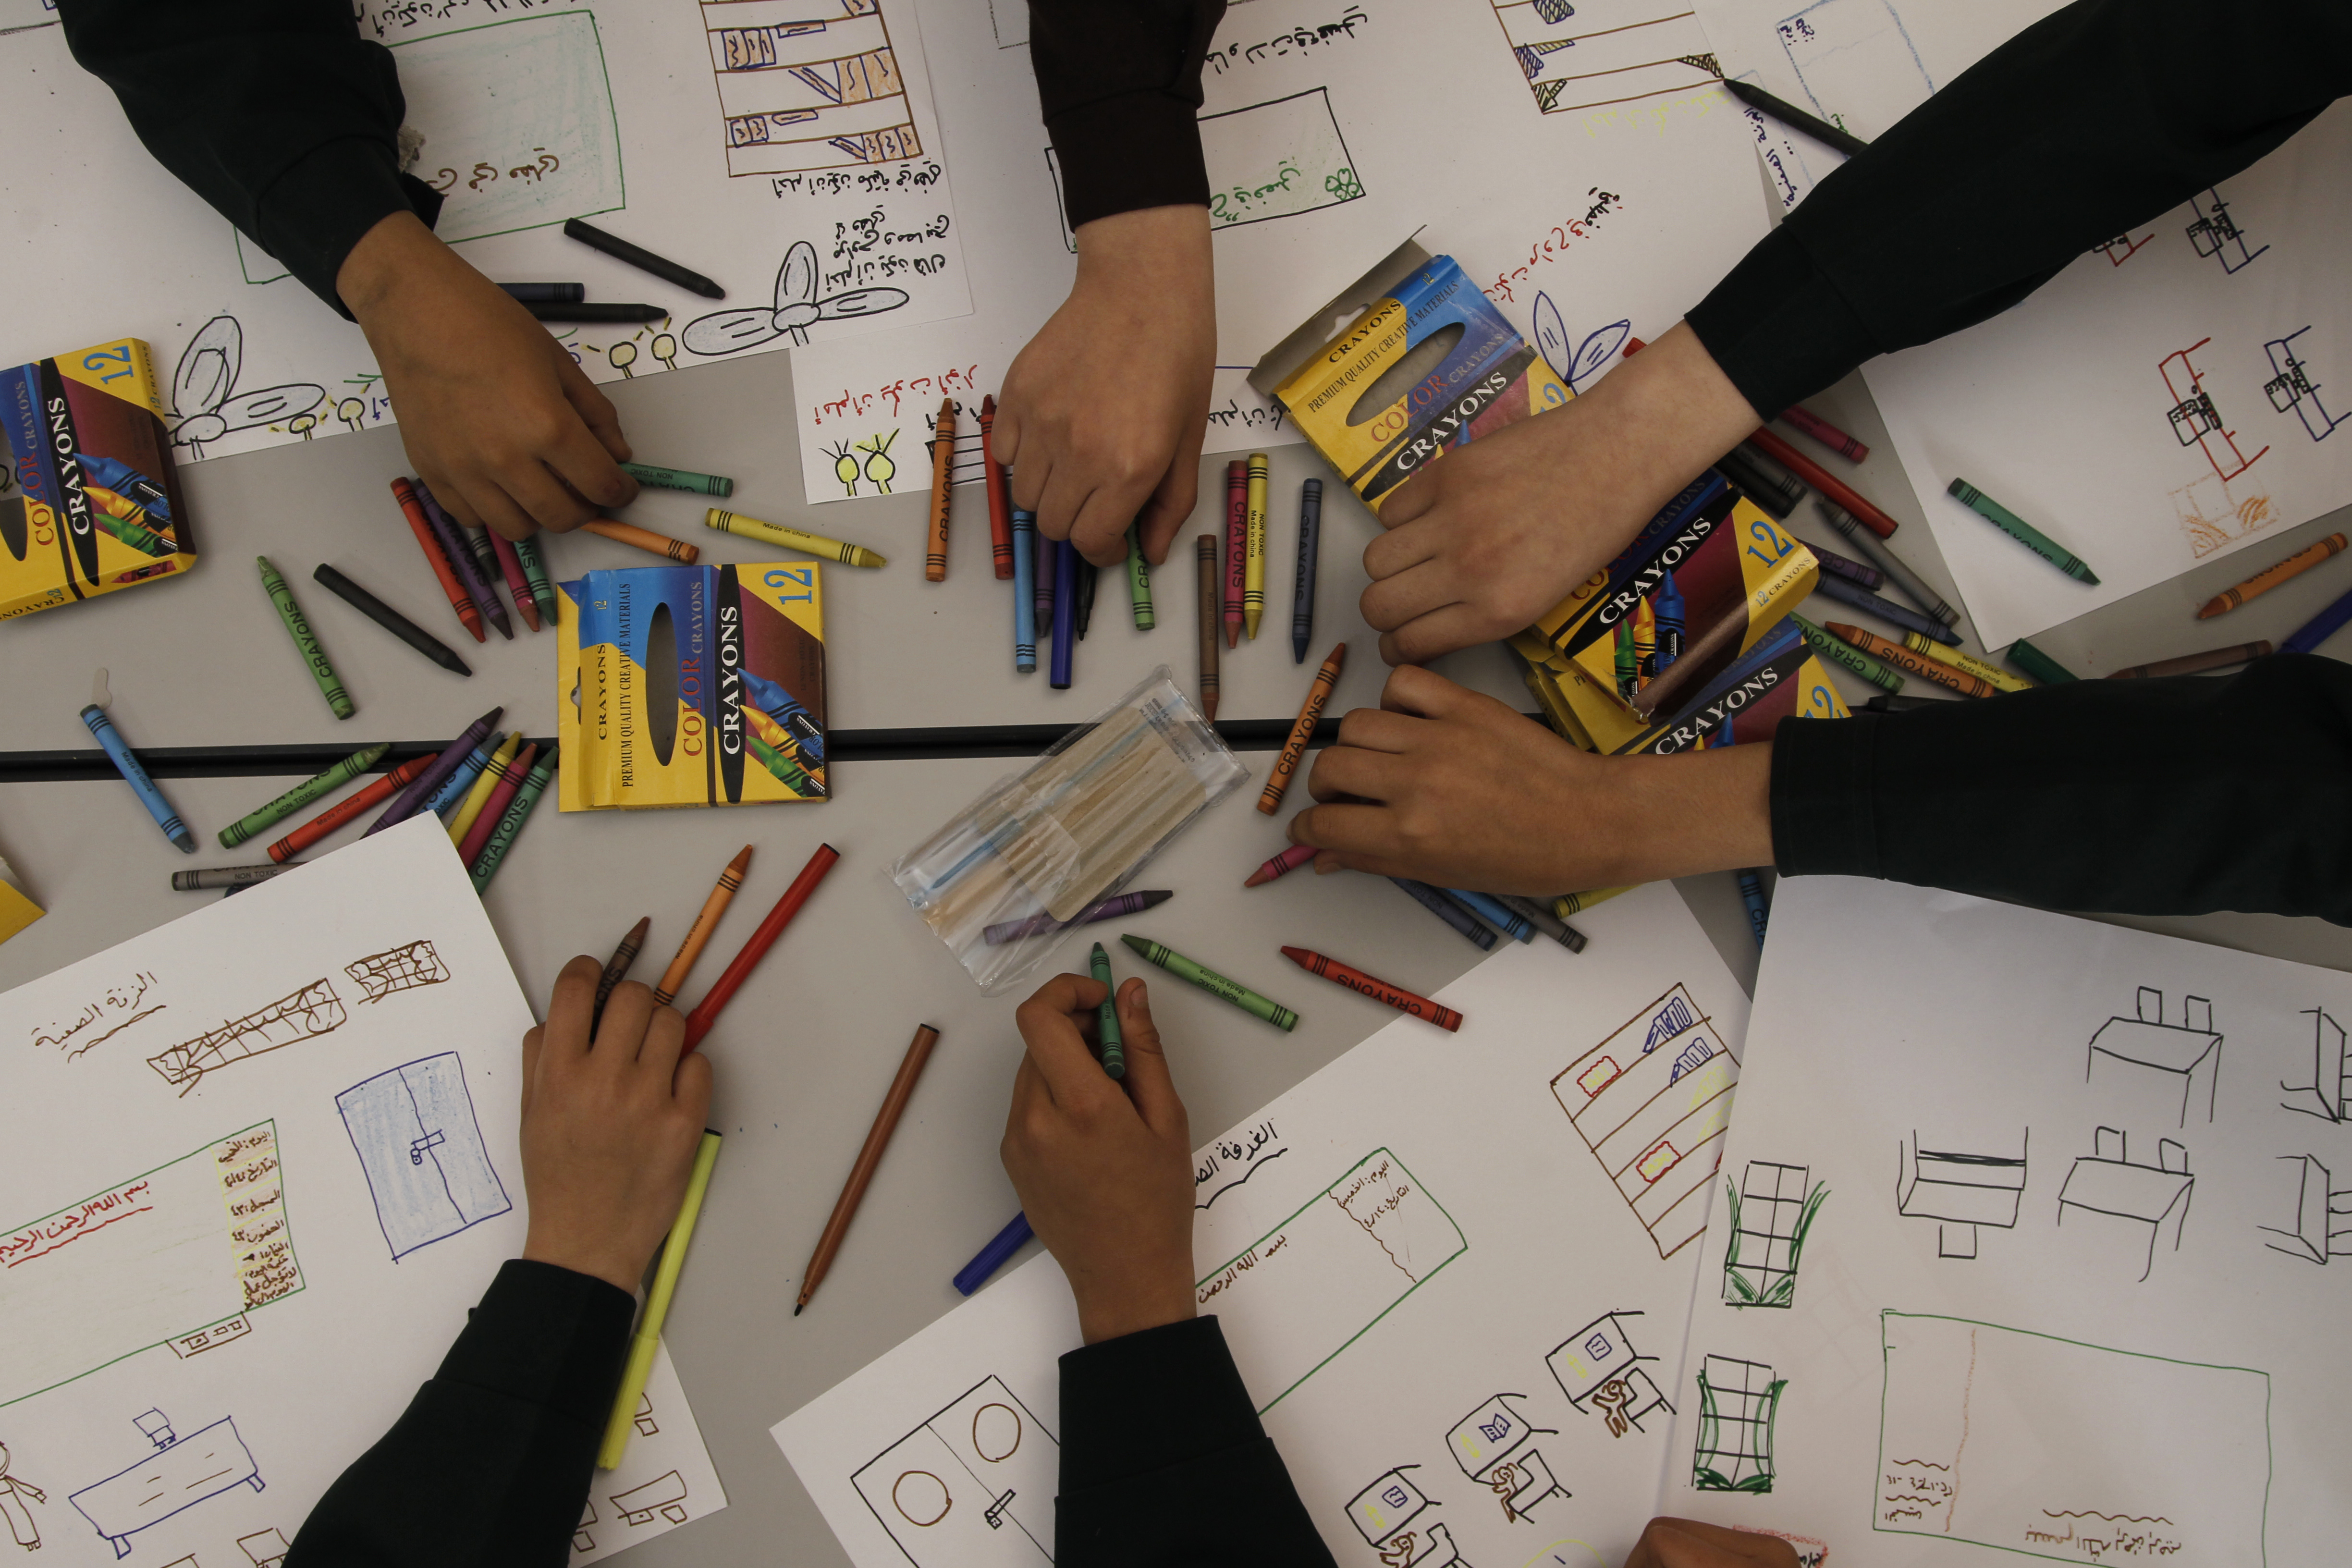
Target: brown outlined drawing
column 401, row 968
column 824, row 92
column 302, row 1015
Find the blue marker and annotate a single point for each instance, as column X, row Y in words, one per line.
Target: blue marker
column 1751, row 889
column 1518, row 927
column 136, row 776
column 781, row 705
column 1009, row 1240
column 454, row 788
column 1024, row 592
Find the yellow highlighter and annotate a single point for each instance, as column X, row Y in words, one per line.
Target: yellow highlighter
column 649, row 1327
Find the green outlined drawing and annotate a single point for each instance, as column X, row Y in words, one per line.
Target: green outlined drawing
column 1739, row 1401
column 1770, row 1212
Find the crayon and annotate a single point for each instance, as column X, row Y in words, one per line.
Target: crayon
column 1204, row 561
column 730, row 980
column 1000, row 492
column 502, row 798
column 1688, row 667
column 127, row 482
column 1236, row 549
column 1363, row 984
column 1804, row 419
column 1089, row 579
column 130, row 532
column 2039, row 665
column 1302, row 729
column 861, row 1171
column 782, row 706
column 1114, row 1050
column 943, row 433
column 517, row 586
column 135, row 775
column 1543, row 920
column 990, row 1258
column 534, row 572
column 1847, row 567
column 785, row 770
column 616, row 968
column 1446, row 910
column 451, row 536
column 1138, row 580
column 1282, row 865
column 1829, row 485
column 2000, row 679
column 1302, row 586
column 654, row 543
column 330, row 684
column 1796, row 118
column 2307, row 637
column 1110, row 909
column 477, row 797
column 1024, row 592
column 1846, row 653
column 642, row 259
column 1885, row 609
column 1567, row 904
column 227, row 876
column 155, row 520
column 1917, row 663
column 1489, row 908
column 1779, row 498
column 1254, row 572
column 1066, row 612
column 1041, row 576
column 2195, row 663
column 439, row 771
column 2261, row 582
column 1209, row 980
column 1882, row 555
column 818, row 544
column 698, row 936
column 2017, row 528
column 327, row 821
column 486, row 558
column 547, row 293
column 685, row 479
column 302, row 794
column 647, row 1344
column 453, row 789
column 390, row 619
column 510, row 823
column 1751, row 893
column 607, row 314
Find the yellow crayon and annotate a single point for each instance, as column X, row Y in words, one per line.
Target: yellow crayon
column 752, row 528
column 477, row 797
column 1958, row 660
column 1253, row 567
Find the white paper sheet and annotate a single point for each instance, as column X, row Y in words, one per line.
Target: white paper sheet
column 2068, row 1288
column 260, row 1162
column 1437, row 1297
column 787, row 150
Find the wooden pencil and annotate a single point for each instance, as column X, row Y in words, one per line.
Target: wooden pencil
column 698, row 936
column 878, row 1138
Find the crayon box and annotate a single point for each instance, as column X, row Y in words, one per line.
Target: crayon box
column 89, row 500
column 1779, row 678
column 691, row 686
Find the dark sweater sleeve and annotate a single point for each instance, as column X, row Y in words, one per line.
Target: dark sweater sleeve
column 275, row 111
column 1120, row 82
column 1162, row 1414
column 2097, row 118
column 2175, row 796
column 502, row 1441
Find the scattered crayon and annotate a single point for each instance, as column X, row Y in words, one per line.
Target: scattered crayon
column 1112, row 908
column 1114, row 1048
column 1000, row 491
column 685, row 479
column 509, row 824
column 390, row 619
column 660, row 544
column 643, row 261
column 326, row 822
column 135, row 775
column 1751, row 893
column 1829, row 485
column 547, row 293
column 214, row 877
column 502, row 797
column 818, row 544
column 450, row 535
column 1282, row 865
column 534, row 572
column 1209, row 980
column 1917, row 663
column 1204, row 561
column 1487, row 908
column 1446, row 910
column 602, row 314
column 990, row 1258
column 1089, row 580
column 517, row 584
column 453, row 789
column 477, row 794
column 1847, row 567
column 861, row 1171
column 1882, row 555
column 698, row 936
column 1779, row 498
column 330, row 684
column 441, row 767
column 486, row 558
column 2261, row 582
column 2307, row 637
column 1066, row 613
column 1991, row 675
column 1567, row 904
column 1796, row 118
column 1846, row 653
column 1302, row 729
column 2017, row 528
column 2037, row 664
column 1236, row 548
column 2195, row 663
column 1043, row 580
column 1363, row 984
column 1885, row 609
column 1302, row 587
column 616, row 968
column 1799, row 417
column 1024, row 592
column 943, row 434
column 714, row 1001
column 1543, row 920
column 1138, row 580
column 302, row 794
column 1253, row 565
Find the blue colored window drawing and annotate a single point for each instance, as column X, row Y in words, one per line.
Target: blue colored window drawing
column 422, row 1151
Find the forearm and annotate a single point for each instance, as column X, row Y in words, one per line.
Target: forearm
column 1119, row 84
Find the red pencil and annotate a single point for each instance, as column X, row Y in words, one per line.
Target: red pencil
column 518, row 585
column 334, row 817
column 495, row 806
column 1356, row 980
column 459, row 600
column 1236, row 548
column 706, row 1012
column 1000, row 495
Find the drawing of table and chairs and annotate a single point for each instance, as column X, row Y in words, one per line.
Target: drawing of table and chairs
column 2104, row 1190
column 180, row 1473
column 2148, row 1069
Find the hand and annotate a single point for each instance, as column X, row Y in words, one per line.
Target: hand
column 609, row 1127
column 1442, row 784
column 1101, row 416
column 507, row 430
column 1104, row 1169
column 1500, row 531
column 1688, row 1543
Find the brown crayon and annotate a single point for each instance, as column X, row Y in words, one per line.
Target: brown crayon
column 616, row 968
column 677, row 550
column 1204, row 555
column 935, row 564
column 2195, row 663
column 1918, row 664
column 699, row 936
column 1356, row 980
column 1302, row 729
column 334, row 817
column 2295, row 565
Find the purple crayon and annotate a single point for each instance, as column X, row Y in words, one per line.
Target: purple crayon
column 1109, row 908
column 431, row 779
column 454, row 543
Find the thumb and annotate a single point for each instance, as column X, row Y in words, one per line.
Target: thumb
column 1149, row 1083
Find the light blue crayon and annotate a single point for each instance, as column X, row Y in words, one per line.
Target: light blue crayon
column 453, row 789
column 136, row 777
column 1517, row 927
column 1024, row 592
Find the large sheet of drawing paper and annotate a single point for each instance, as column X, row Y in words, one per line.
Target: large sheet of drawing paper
column 1579, row 162
column 2028, row 1242
column 261, row 1162
column 786, row 149
column 1453, row 1270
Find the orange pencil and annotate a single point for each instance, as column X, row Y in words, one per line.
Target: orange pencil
column 935, row 564
column 878, row 1138
column 459, row 600
column 335, row 815
column 644, row 539
column 1000, row 494
column 1294, row 749
column 699, row 937
column 2295, row 565
column 1911, row 663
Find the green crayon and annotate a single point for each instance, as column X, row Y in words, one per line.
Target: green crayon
column 680, row 480
column 135, row 534
column 1853, row 658
column 330, row 684
column 1139, row 582
column 510, row 821
column 1114, row 1050
column 303, row 793
column 788, row 773
column 2017, row 528
column 2037, row 664
column 1209, row 980
column 534, row 572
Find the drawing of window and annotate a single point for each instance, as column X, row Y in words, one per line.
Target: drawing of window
column 1276, row 160
column 422, row 1152
column 1490, row 1446
column 1959, row 1190
column 2106, row 1183
column 180, row 1472
column 2194, row 419
column 1574, row 63
column 2320, row 1215
column 1737, row 1400
column 1770, row 1211
column 971, row 1488
column 663, row 1497
column 2330, row 1089
column 400, row 968
column 824, row 92
column 313, row 1010
column 1599, row 1370
column 2215, row 234
column 2168, row 1069
column 1857, row 63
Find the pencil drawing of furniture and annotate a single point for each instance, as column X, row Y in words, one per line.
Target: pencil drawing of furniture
column 2177, row 1067
column 2106, row 1183
column 1960, row 1191
column 2328, row 1095
column 180, row 1473
column 2321, row 1214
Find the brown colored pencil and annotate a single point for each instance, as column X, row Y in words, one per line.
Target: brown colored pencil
column 2295, row 565
column 2195, row 663
column 644, row 539
column 1302, row 729
column 1910, row 663
column 1204, row 553
column 877, row 1138
column 698, row 936
column 1692, row 661
column 935, row 564
column 616, row 968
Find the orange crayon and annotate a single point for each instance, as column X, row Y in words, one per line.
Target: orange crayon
column 699, row 936
column 1911, row 663
column 1356, row 980
column 935, row 564
column 2295, row 565
column 644, row 539
column 1000, row 495
column 1302, row 729
column 334, row 817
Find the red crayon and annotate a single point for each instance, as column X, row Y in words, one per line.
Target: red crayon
column 518, row 585
column 1809, row 423
column 1237, row 547
column 459, row 600
column 1289, row 860
column 1356, row 980
column 334, row 817
column 999, row 498
column 495, row 806
column 706, row 1012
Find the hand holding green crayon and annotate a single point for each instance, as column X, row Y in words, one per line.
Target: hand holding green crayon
column 1114, row 1052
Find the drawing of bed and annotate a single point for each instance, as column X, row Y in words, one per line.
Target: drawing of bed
column 181, row 1473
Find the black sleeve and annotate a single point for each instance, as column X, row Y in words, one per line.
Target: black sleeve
column 489, row 1466
column 2173, row 796
column 1120, row 82
column 2095, row 119
column 275, row 111
column 1163, row 1415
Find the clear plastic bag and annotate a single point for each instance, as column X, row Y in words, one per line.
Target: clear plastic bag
column 1041, row 848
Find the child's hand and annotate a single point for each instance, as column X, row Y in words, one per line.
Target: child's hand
column 1688, row 1543
column 1105, row 1171
column 609, row 1130
column 508, row 431
column 1101, row 416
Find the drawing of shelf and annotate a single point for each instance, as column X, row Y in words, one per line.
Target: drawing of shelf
column 971, row 1488
column 1737, row 1404
column 1652, row 1102
column 2320, row 1225
column 302, row 1015
column 1857, row 63
column 1960, row 1191
column 2056, row 1448
column 401, row 968
column 1771, row 1210
column 1317, row 1282
column 2195, row 420
column 1599, row 1370
column 2155, row 1070
column 181, row 1473
column 1573, row 62
column 422, row 1152
column 799, row 92
column 2107, row 1184
column 2330, row 1089
column 2216, row 235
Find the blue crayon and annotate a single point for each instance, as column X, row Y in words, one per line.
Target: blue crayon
column 1045, row 585
column 1008, row 1241
column 783, row 707
column 1518, row 927
column 136, row 777
column 1667, row 605
column 1885, row 609
column 1024, row 591
column 1066, row 611
column 2316, row 630
column 1302, row 590
column 1752, row 889
column 458, row 783
column 1446, row 910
